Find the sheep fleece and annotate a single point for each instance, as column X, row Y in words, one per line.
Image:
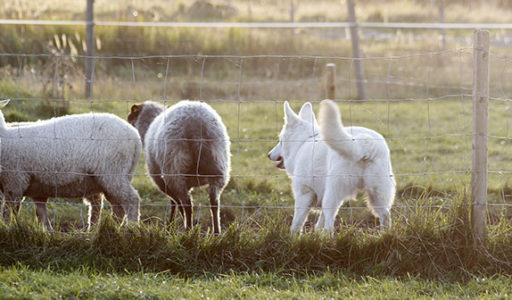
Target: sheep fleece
column 54, row 155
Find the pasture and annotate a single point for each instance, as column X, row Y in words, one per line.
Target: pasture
column 419, row 99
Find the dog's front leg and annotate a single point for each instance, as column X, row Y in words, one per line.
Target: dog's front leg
column 330, row 206
column 303, row 201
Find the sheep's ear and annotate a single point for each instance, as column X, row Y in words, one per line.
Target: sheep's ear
column 289, row 114
column 3, row 103
column 306, row 113
column 136, row 108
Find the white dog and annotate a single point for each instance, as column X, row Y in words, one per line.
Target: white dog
column 329, row 163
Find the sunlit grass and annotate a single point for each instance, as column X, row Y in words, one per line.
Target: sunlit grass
column 426, row 241
column 20, row 282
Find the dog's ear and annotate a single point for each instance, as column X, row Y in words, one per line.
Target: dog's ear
column 289, row 114
column 306, row 113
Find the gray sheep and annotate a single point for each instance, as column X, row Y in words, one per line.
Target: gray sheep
column 186, row 146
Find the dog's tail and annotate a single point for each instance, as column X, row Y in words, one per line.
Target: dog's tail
column 338, row 138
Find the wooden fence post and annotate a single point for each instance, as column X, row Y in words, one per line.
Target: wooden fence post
column 356, row 53
column 479, row 134
column 441, row 20
column 330, row 81
column 292, row 15
column 89, row 41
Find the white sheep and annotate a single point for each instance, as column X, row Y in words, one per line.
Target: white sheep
column 75, row 156
column 186, row 146
column 94, row 202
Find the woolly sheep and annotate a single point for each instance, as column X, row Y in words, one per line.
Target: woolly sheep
column 95, row 202
column 186, row 146
column 72, row 156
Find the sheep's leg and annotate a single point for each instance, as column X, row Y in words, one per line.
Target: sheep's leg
column 184, row 202
column 174, row 205
column 122, row 196
column 5, row 209
column 129, row 206
column 118, row 211
column 172, row 212
column 95, row 203
column 42, row 213
column 214, row 193
column 13, row 208
column 176, row 187
column 157, row 179
column 12, row 205
column 131, row 203
column 186, row 205
column 155, row 174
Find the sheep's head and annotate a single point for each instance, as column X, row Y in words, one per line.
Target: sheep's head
column 141, row 116
column 134, row 113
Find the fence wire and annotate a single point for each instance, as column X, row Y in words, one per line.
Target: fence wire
column 420, row 102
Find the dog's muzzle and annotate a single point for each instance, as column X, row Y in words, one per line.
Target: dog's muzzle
column 275, row 155
column 280, row 161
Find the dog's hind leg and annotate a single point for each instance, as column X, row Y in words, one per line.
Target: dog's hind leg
column 321, row 222
column 302, row 205
column 384, row 217
column 381, row 204
column 381, row 188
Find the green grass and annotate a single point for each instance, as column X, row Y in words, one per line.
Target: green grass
column 20, row 282
column 431, row 243
column 427, row 254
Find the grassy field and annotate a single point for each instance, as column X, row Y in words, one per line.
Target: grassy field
column 83, row 284
column 419, row 99
column 430, row 254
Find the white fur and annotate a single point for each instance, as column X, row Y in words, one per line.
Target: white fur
column 326, row 173
column 73, row 156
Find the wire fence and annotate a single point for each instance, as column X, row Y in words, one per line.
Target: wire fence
column 420, row 102
column 271, row 25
